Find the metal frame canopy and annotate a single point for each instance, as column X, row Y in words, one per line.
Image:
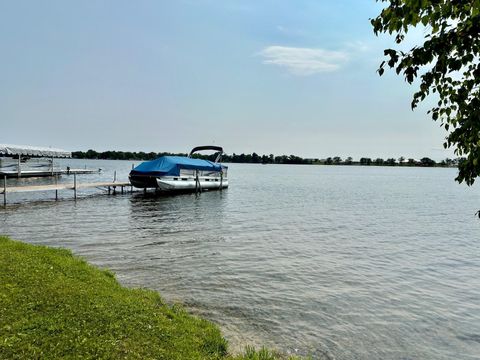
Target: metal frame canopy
column 25, row 150
column 218, row 149
column 206, row 147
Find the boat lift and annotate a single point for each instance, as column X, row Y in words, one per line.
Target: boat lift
column 14, row 162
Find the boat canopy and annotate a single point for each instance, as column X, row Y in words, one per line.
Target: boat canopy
column 218, row 149
column 171, row 165
column 25, row 150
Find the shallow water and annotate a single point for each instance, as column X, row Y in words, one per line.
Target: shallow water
column 336, row 262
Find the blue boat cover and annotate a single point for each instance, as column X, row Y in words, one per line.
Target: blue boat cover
column 171, row 165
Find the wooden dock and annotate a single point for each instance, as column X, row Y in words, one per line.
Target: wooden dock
column 109, row 186
column 45, row 173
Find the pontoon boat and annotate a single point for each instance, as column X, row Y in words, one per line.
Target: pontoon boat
column 181, row 173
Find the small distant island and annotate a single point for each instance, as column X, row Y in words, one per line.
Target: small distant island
column 254, row 158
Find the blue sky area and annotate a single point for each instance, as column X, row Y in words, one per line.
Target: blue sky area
column 283, row 77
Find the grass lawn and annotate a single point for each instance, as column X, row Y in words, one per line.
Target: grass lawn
column 55, row 305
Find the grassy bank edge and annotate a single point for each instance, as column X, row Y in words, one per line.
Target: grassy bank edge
column 56, row 305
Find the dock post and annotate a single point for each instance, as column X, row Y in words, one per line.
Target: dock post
column 197, row 187
column 75, row 185
column 56, row 190
column 109, row 190
column 19, row 166
column 221, row 180
column 4, row 190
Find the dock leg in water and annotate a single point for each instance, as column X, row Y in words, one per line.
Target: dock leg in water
column 75, row 186
column 198, row 188
column 4, row 190
column 19, row 166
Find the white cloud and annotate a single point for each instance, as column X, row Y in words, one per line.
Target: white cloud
column 304, row 61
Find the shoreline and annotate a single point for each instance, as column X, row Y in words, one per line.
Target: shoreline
column 264, row 159
column 55, row 304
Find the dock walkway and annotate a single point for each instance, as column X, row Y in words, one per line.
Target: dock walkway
column 109, row 186
column 45, row 173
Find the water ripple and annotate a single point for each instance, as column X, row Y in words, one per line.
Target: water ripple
column 332, row 262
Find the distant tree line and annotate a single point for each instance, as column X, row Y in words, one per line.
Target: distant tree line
column 254, row 158
column 120, row 155
column 401, row 161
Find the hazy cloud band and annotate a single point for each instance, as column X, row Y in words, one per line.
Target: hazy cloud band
column 304, row 61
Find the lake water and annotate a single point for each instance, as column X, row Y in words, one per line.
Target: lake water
column 338, row 262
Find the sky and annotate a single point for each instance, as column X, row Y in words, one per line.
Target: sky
column 267, row 76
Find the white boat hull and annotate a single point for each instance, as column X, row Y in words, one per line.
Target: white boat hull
column 190, row 184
